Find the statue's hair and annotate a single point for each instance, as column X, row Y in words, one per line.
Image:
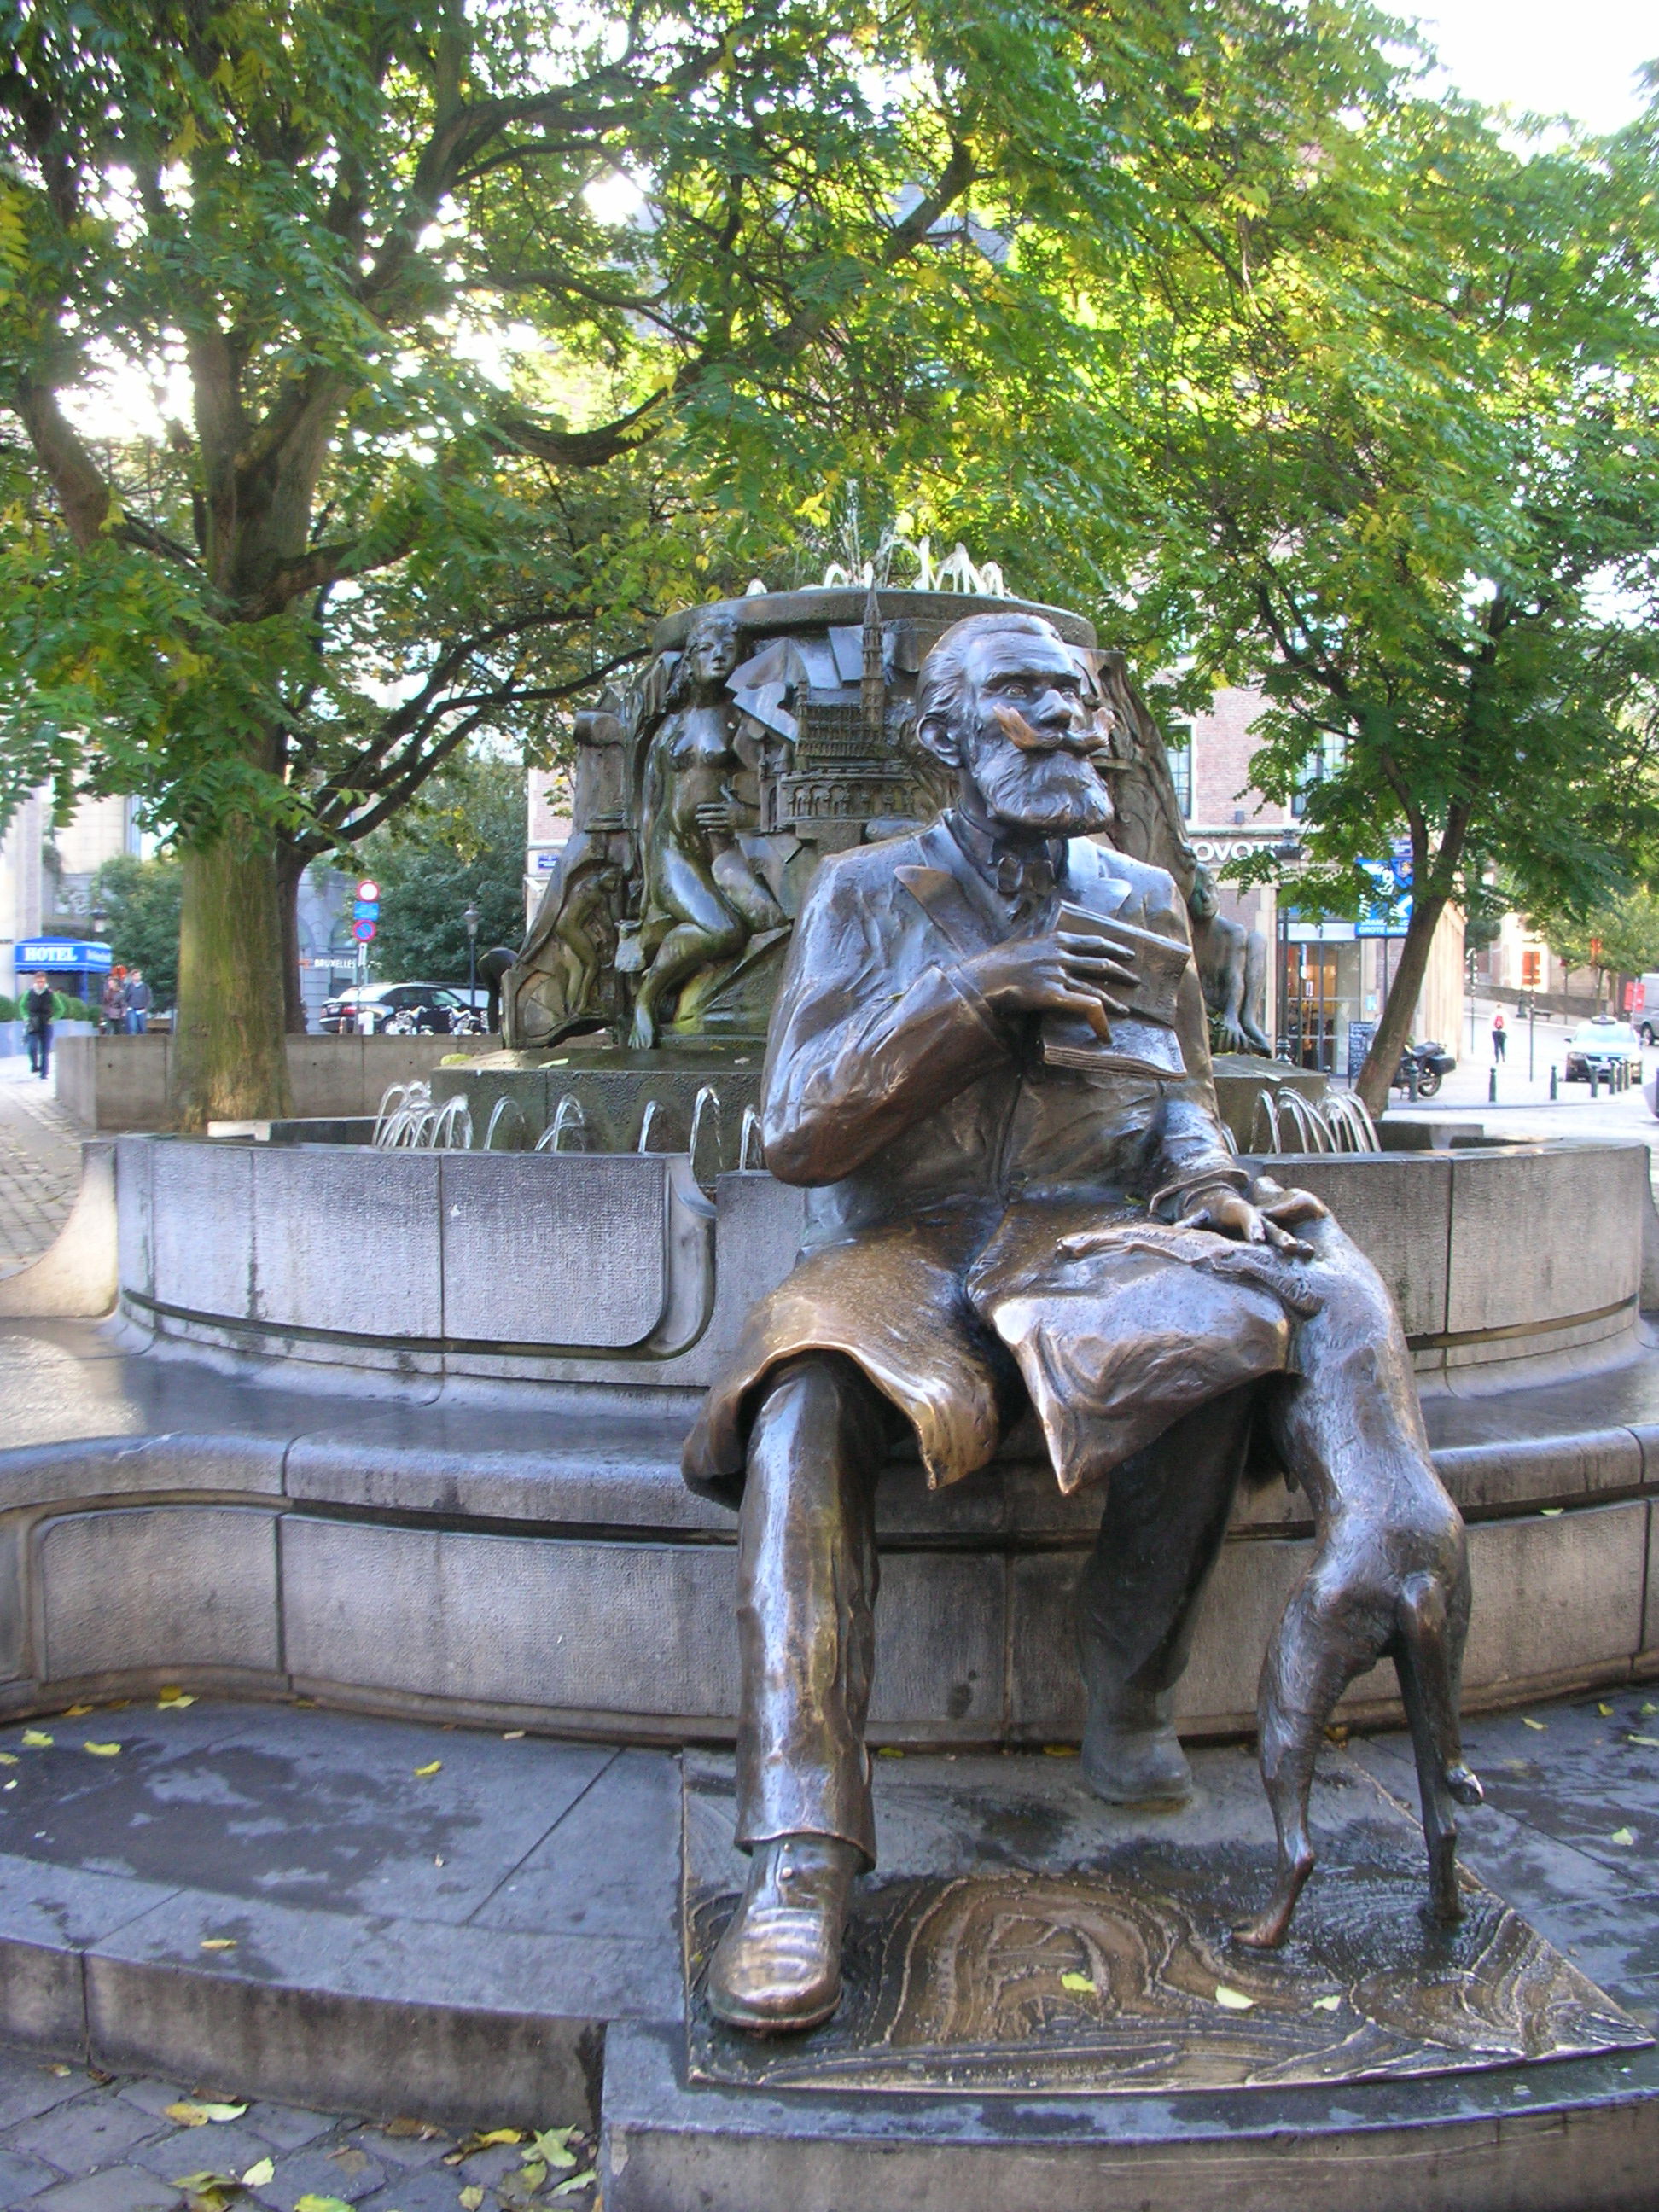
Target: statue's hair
column 942, row 681
column 707, row 621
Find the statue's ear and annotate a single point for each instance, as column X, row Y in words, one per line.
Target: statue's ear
column 935, row 735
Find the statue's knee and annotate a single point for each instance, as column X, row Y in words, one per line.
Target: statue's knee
column 813, row 1404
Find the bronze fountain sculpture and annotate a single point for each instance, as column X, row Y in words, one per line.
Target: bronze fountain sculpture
column 987, row 1064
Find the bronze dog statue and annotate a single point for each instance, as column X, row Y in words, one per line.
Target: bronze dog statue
column 1389, row 1578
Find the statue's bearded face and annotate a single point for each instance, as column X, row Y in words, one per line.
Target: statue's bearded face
column 1025, row 738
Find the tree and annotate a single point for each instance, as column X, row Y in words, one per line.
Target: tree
column 143, row 899
column 1399, row 403
column 349, row 547
column 1619, row 937
column 461, row 842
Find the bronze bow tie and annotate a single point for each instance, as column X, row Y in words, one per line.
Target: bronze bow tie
column 1025, row 883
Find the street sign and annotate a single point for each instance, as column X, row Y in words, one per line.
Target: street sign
column 34, row 953
column 366, row 909
column 363, row 931
column 368, row 889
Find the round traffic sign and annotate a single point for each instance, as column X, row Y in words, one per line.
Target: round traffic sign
column 363, row 931
column 368, row 889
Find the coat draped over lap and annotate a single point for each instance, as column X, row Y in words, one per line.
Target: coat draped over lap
column 950, row 1171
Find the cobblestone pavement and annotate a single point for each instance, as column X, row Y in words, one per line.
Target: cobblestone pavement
column 75, row 2140
column 39, row 1164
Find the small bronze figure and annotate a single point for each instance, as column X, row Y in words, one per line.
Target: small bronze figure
column 1232, row 968
column 703, row 898
column 991, row 1227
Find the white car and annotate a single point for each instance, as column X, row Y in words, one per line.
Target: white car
column 1605, row 1045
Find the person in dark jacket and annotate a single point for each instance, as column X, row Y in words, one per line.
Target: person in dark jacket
column 139, row 999
column 40, row 1006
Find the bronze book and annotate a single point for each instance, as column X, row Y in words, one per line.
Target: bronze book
column 1143, row 1041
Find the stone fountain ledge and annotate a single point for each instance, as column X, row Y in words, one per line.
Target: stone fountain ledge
column 462, row 1554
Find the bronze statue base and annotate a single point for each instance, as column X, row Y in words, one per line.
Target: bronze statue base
column 1021, row 1937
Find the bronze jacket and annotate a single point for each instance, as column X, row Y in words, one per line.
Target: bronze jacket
column 947, row 1164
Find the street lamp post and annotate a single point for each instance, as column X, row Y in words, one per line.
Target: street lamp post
column 471, row 918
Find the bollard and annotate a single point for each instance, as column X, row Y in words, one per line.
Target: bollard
column 1491, row 1088
column 1553, row 1072
column 1593, row 1071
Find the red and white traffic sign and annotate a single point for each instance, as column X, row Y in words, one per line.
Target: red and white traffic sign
column 368, row 889
column 363, row 931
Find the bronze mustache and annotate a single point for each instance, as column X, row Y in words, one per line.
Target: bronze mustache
column 1088, row 743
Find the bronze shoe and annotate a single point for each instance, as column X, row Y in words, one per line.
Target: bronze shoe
column 777, row 1968
column 1136, row 1766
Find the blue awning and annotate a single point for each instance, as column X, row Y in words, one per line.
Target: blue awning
column 61, row 952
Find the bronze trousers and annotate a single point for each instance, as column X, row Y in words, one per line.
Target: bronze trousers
column 807, row 1576
column 808, row 1569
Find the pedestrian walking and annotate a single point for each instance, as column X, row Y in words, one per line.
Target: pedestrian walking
column 139, row 1001
column 113, row 1004
column 1500, row 1041
column 40, row 1006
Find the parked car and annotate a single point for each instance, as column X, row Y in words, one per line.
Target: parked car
column 368, row 1008
column 1606, row 1045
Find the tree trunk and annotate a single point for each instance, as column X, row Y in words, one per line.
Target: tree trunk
column 229, row 1057
column 1394, row 1028
column 290, row 867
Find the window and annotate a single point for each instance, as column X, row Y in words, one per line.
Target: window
column 1532, row 967
column 1325, row 761
column 1178, row 748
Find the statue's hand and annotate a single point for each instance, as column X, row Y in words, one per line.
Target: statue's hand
column 1065, row 972
column 1228, row 1213
column 727, row 813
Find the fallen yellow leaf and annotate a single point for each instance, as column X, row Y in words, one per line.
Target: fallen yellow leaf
column 8, row 1759
column 75, row 1712
column 61, row 2072
column 512, row 1736
column 188, row 2116
column 101, row 1750
column 1649, row 1709
column 1625, row 1838
column 1651, row 1741
column 433, row 1769
column 222, row 2112
column 1233, row 2000
column 322, row 2204
column 218, row 1942
column 554, row 2145
column 577, row 2181
column 1538, row 1727
column 1551, row 1512
column 890, row 1751
column 1079, row 1982
column 1060, row 1751
column 500, row 2136
column 1326, row 2004
column 470, row 2200
column 262, row 2171
column 1606, row 1711
column 174, row 1703
column 36, row 1740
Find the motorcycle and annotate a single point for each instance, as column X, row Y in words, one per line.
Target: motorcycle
column 1421, row 1068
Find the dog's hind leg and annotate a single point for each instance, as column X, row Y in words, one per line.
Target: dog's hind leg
column 1310, row 1662
column 1427, row 1653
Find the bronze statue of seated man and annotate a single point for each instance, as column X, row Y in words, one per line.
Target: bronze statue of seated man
column 1020, row 1194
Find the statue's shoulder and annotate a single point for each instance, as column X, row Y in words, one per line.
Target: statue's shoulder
column 864, row 875
column 1152, row 890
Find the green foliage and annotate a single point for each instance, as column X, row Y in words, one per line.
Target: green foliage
column 1624, row 934
column 461, row 841
column 9, row 1009
column 67, row 1009
column 143, row 899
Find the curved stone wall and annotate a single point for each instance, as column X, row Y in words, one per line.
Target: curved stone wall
column 403, row 1430
column 617, row 1268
